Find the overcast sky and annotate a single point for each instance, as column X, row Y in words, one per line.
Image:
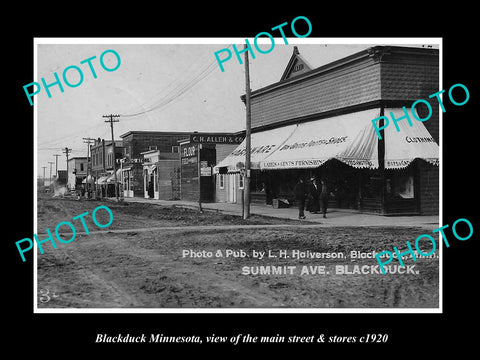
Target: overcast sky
column 175, row 87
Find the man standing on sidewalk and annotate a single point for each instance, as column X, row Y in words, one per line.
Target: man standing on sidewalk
column 300, row 191
column 324, row 197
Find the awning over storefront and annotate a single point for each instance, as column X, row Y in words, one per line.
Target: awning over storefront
column 349, row 138
column 150, row 168
column 102, row 180
column 89, row 178
column 410, row 143
column 111, row 178
column 262, row 144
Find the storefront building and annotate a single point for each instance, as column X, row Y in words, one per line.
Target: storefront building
column 102, row 166
column 160, row 179
column 77, row 172
column 136, row 143
column 196, row 163
column 318, row 123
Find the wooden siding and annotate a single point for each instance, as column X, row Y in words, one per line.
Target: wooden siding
column 317, row 94
column 223, row 150
column 429, row 189
column 165, row 175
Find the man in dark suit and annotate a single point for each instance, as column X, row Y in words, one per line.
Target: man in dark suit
column 300, row 191
column 324, row 197
column 313, row 202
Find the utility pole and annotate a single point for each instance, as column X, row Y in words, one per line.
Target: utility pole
column 67, row 151
column 246, row 179
column 56, row 165
column 199, row 169
column 44, row 167
column 88, row 141
column 111, row 120
column 51, row 163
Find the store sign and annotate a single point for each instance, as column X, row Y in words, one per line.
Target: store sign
column 189, row 151
column 131, row 161
column 188, row 154
column 216, row 139
column 206, row 171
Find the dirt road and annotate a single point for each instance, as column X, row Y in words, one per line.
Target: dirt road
column 175, row 260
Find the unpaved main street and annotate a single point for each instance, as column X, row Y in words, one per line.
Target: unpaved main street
column 141, row 261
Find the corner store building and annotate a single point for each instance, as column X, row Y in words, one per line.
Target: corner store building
column 317, row 122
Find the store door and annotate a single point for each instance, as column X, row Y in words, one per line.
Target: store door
column 232, row 188
column 156, row 194
column 127, row 183
column 145, row 183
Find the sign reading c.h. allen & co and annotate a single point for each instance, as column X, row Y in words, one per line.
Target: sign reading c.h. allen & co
column 216, row 138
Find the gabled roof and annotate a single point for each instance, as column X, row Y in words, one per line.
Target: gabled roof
column 376, row 53
column 296, row 65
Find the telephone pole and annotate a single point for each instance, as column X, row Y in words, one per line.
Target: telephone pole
column 44, row 167
column 88, row 141
column 111, row 119
column 67, row 151
column 246, row 179
column 56, row 164
column 199, row 170
column 51, row 163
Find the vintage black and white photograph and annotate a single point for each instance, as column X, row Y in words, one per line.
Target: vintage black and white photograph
column 185, row 175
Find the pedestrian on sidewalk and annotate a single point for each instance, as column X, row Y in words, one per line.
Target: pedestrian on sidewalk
column 300, row 191
column 324, row 197
column 313, row 201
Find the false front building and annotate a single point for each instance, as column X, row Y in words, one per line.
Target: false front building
column 139, row 172
column 317, row 122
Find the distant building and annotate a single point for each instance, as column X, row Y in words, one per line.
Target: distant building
column 62, row 177
column 77, row 172
column 102, row 165
column 136, row 144
column 168, row 161
column 159, row 170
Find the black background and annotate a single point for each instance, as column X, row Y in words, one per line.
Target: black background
column 49, row 335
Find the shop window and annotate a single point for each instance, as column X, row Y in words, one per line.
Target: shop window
column 240, row 181
column 221, row 180
column 401, row 186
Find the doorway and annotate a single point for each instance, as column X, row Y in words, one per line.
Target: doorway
column 232, row 188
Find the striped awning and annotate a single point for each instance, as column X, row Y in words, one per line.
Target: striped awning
column 410, row 143
column 149, row 168
column 111, row 178
column 102, row 180
column 262, row 144
column 349, row 138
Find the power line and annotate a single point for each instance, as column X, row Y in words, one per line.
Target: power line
column 75, row 134
column 177, row 91
column 172, row 95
